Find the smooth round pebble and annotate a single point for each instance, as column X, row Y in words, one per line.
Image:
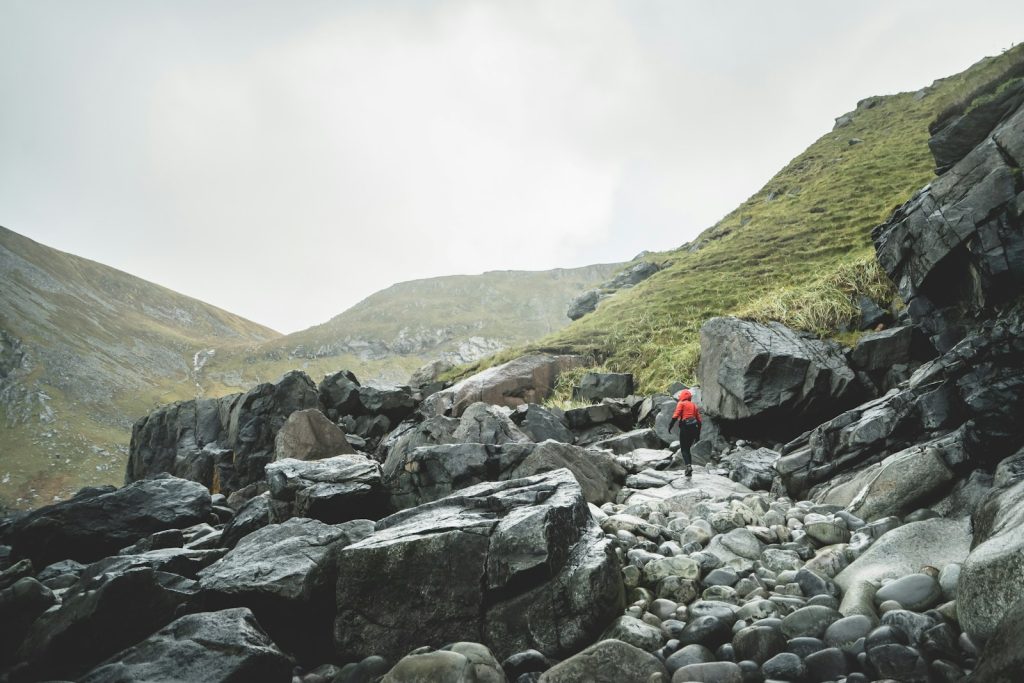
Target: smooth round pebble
column 826, row 665
column 690, row 654
column 758, row 643
column 915, row 592
column 784, row 666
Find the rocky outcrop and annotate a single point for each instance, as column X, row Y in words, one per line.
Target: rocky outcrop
column 182, row 439
column 966, row 402
column 532, row 571
column 528, row 379
column 587, row 301
column 100, row 521
column 541, row 424
column 217, row 647
column 956, row 249
column 955, row 137
column 770, row 379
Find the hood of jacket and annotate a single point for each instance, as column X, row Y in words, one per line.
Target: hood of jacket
column 685, row 395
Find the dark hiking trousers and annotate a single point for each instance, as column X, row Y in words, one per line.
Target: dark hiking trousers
column 688, row 435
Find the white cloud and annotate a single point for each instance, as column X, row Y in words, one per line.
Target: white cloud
column 284, row 160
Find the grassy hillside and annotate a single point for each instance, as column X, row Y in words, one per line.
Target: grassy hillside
column 796, row 251
column 391, row 333
column 84, row 350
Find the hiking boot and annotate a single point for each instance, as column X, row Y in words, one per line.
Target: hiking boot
column 689, row 471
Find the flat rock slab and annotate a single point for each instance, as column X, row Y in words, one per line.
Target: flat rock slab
column 904, row 550
column 214, row 647
column 513, row 565
column 682, row 493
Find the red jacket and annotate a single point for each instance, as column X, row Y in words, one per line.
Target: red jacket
column 686, row 408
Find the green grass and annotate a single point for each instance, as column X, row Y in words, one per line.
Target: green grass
column 798, row 250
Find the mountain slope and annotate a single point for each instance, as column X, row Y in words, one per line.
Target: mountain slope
column 84, row 350
column 388, row 335
column 796, row 251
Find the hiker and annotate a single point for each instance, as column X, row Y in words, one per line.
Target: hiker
column 688, row 417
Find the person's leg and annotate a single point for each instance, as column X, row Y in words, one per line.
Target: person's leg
column 685, row 441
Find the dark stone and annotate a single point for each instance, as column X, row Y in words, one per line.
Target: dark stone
column 898, row 662
column 255, row 514
column 688, row 654
column 804, row 645
column 541, row 424
column 879, row 351
column 595, row 386
column 394, row 403
column 99, row 619
column 98, row 522
column 525, row 662
column 515, row 565
column 872, row 315
column 214, row 647
column 826, row 665
column 409, row 436
column 758, row 643
column 339, row 395
column 633, row 275
column 911, row 624
column 708, row 631
column 583, row 303
column 285, row 573
column 20, row 605
column 16, row 571
column 180, row 561
column 755, row 469
column 812, row 621
column 785, row 666
column 621, row 444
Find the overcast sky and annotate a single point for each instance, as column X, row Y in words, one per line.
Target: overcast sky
column 285, row 159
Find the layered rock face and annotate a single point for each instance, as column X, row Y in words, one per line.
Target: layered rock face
column 956, row 250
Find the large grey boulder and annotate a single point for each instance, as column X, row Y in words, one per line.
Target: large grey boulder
column 339, row 394
column 752, row 467
column 433, row 472
column 583, row 303
column 620, row 444
column 99, row 618
column 527, row 379
column 488, row 424
column 956, row 249
column 20, row 605
column 410, row 435
column 541, row 424
column 309, row 435
column 771, row 379
column 332, row 490
column 1002, row 658
column 595, row 386
column 98, row 522
column 285, row 573
column 514, row 565
column 214, row 647
column 992, row 577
